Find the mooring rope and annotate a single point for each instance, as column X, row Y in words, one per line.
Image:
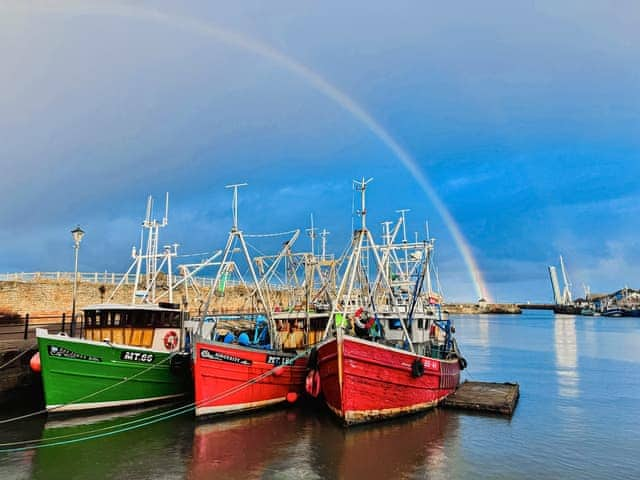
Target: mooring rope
column 22, row 354
column 141, row 422
column 108, row 387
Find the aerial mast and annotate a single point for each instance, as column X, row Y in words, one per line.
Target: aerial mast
column 324, row 235
column 402, row 213
column 234, row 203
column 361, row 186
column 312, row 235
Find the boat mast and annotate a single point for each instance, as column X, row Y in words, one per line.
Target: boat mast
column 354, row 268
column 236, row 235
column 312, row 235
column 324, row 235
column 403, row 212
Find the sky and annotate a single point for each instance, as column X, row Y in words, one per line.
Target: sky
column 523, row 120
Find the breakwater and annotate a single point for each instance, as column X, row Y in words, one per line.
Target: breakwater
column 482, row 308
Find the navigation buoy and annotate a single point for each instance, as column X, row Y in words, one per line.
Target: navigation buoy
column 292, row 397
column 34, row 363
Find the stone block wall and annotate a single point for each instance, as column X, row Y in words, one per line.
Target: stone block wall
column 54, row 297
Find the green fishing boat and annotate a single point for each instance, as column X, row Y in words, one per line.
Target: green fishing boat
column 127, row 355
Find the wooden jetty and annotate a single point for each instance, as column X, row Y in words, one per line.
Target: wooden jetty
column 485, row 397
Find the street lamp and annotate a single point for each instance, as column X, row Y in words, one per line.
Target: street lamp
column 77, row 234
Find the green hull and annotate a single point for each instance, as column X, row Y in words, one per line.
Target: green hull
column 81, row 375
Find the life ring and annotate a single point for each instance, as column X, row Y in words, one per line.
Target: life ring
column 312, row 383
column 417, row 368
column 357, row 319
column 170, row 340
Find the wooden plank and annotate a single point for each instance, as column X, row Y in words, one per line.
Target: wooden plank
column 485, row 397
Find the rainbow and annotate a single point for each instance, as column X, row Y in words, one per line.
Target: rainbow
column 310, row 76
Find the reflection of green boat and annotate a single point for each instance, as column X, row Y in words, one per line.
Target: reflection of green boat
column 128, row 356
column 150, row 451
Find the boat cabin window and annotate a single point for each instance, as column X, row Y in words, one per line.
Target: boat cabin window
column 394, row 324
column 132, row 318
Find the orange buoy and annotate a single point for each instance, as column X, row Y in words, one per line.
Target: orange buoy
column 292, row 397
column 278, row 371
column 34, row 363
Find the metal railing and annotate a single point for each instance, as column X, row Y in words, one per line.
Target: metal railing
column 24, row 328
column 111, row 278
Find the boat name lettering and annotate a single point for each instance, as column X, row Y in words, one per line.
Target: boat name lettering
column 137, row 357
column 431, row 365
column 276, row 360
column 62, row 352
column 213, row 355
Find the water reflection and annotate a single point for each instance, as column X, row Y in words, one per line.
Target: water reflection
column 483, row 331
column 566, row 356
column 246, row 446
column 398, row 449
column 156, row 445
column 307, row 444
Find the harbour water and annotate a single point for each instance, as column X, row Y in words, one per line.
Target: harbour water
column 578, row 417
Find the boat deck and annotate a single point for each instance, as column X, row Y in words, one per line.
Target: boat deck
column 485, row 397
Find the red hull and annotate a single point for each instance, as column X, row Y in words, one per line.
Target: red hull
column 364, row 381
column 226, row 378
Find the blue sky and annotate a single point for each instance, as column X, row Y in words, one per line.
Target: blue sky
column 525, row 119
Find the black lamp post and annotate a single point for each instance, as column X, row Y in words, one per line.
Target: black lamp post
column 77, row 234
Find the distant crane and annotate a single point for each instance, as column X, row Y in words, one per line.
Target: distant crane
column 564, row 298
column 566, row 291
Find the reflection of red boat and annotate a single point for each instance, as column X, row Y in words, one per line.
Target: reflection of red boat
column 233, row 378
column 365, row 381
column 242, row 447
column 412, row 448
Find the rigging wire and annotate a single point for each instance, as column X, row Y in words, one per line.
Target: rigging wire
column 267, row 235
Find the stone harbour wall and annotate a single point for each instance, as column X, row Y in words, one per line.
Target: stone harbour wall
column 54, row 297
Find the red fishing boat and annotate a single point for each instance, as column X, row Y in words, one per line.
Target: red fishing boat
column 388, row 349
column 365, row 381
column 256, row 363
column 233, row 378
